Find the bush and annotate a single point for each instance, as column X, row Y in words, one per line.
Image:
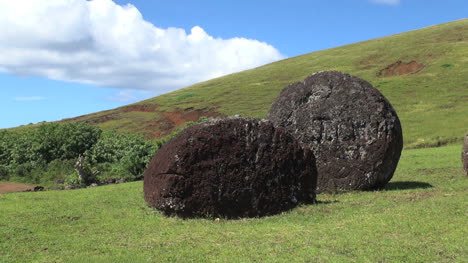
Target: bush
column 48, row 154
column 74, row 180
column 113, row 173
column 4, row 173
column 64, row 141
column 128, row 153
column 55, row 171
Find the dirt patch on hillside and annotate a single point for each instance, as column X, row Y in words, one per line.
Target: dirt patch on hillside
column 162, row 124
column 173, row 120
column 139, row 108
column 180, row 117
column 12, row 188
column 401, row 68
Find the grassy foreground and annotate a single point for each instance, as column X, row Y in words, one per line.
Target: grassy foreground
column 420, row 217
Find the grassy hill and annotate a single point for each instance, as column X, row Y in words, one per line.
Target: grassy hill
column 431, row 102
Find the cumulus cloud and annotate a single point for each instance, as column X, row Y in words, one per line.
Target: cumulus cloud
column 32, row 98
column 99, row 42
column 386, row 2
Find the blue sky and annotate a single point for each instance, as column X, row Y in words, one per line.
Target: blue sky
column 61, row 59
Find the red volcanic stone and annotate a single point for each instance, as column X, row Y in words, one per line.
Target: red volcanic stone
column 230, row 168
column 353, row 130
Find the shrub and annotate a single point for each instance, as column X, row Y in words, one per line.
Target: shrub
column 4, row 173
column 128, row 153
column 64, row 141
column 48, row 153
column 57, row 170
column 73, row 180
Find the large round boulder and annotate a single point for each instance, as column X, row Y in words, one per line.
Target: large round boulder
column 353, row 130
column 465, row 153
column 230, row 168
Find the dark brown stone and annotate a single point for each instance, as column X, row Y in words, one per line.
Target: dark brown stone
column 230, row 168
column 353, row 130
column 465, row 153
column 38, row 188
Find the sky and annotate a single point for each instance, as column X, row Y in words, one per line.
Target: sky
column 64, row 58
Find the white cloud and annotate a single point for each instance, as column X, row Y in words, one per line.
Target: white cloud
column 102, row 43
column 386, row 2
column 32, row 98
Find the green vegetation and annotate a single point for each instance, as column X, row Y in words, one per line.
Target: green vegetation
column 120, row 156
column 420, row 217
column 47, row 154
column 431, row 103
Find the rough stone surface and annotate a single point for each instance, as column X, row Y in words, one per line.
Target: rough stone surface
column 465, row 154
column 353, row 130
column 230, row 168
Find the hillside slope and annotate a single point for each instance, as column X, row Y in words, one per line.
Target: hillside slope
column 431, row 101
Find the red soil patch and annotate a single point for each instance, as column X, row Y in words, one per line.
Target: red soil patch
column 12, row 187
column 181, row 117
column 401, row 68
column 160, row 126
column 140, row 108
column 174, row 120
column 175, row 117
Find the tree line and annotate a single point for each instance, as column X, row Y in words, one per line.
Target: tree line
column 48, row 155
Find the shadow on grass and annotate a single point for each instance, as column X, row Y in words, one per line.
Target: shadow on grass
column 318, row 202
column 404, row 185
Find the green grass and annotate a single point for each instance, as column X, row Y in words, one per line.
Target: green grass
column 420, row 217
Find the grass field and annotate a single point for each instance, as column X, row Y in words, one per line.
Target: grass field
column 420, row 217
